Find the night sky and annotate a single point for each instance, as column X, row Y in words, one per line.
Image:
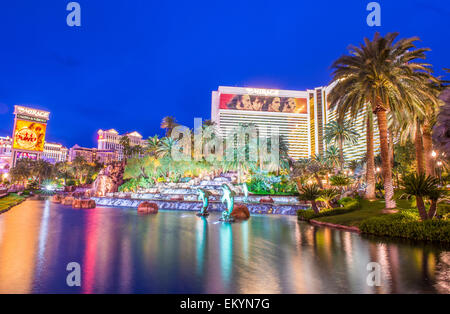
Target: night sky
column 133, row 62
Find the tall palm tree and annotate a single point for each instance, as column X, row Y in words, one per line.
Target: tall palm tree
column 441, row 133
column 341, row 133
column 168, row 123
column 418, row 126
column 385, row 75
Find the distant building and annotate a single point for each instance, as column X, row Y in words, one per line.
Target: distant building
column 5, row 153
column 54, row 152
column 300, row 117
column 93, row 154
column 84, row 152
column 110, row 140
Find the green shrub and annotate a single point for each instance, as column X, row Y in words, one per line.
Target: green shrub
column 349, row 206
column 345, row 200
column 406, row 224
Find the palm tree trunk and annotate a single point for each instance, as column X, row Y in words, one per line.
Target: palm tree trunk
column 385, row 160
column 432, row 210
column 370, row 167
column 341, row 154
column 427, row 151
column 419, row 149
column 314, row 206
column 421, row 208
column 319, row 182
column 391, row 148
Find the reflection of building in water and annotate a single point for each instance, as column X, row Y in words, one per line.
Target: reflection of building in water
column 300, row 117
column 110, row 140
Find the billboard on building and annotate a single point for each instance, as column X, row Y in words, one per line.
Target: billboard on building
column 29, row 135
column 263, row 103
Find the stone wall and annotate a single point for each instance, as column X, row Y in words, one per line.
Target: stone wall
column 254, row 208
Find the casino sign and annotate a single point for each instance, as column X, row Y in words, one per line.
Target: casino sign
column 29, row 132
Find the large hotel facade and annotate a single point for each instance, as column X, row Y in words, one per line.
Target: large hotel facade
column 300, row 116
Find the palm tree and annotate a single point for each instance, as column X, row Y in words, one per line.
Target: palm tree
column 385, row 75
column 152, row 145
column 420, row 186
column 310, row 193
column 441, row 135
column 63, row 170
column 341, row 133
column 168, row 123
column 41, row 169
column 418, row 126
column 327, row 197
column 165, row 147
column 333, row 157
column 127, row 149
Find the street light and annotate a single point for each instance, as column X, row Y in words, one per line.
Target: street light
column 433, row 154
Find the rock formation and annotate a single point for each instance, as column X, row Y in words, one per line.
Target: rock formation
column 83, row 204
column 240, row 211
column 68, row 200
column 266, row 199
column 57, row 199
column 109, row 179
column 147, row 208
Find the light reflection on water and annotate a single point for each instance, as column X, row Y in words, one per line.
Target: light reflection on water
column 172, row 252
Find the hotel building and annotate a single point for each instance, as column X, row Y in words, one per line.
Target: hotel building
column 54, row 152
column 110, row 140
column 300, row 116
column 93, row 154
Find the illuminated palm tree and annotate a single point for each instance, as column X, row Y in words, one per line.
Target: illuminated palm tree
column 168, row 123
column 441, row 134
column 341, row 133
column 385, row 75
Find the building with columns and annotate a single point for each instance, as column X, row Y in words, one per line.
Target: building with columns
column 110, row 140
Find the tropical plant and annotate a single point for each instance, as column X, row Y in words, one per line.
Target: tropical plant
column 421, row 186
column 310, row 193
column 327, row 196
column 332, row 155
column 152, row 145
column 340, row 181
column 385, row 75
column 165, row 147
column 341, row 133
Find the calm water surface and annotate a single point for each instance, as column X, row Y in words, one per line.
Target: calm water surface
column 176, row 252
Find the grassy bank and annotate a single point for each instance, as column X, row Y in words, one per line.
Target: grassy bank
column 368, row 216
column 9, row 201
column 367, row 209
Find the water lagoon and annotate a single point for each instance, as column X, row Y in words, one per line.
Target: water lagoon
column 177, row 252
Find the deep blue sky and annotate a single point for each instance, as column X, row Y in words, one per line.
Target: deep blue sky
column 133, row 62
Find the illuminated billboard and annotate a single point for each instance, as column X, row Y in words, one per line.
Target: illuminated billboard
column 29, row 135
column 263, row 103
